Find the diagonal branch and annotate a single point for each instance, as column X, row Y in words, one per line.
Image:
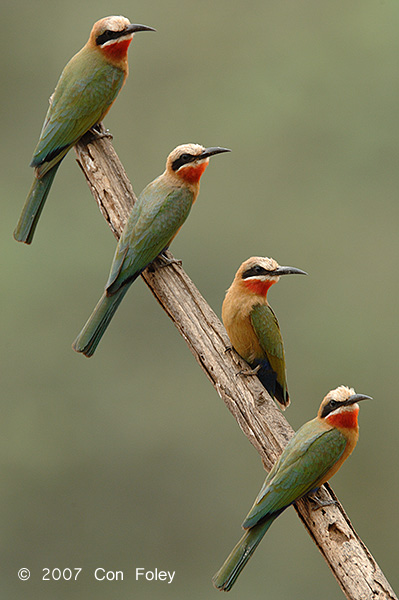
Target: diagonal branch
column 330, row 528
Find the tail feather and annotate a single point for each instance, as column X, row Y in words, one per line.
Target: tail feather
column 33, row 206
column 91, row 334
column 227, row 575
column 268, row 378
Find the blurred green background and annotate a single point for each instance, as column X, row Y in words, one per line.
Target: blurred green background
column 130, row 459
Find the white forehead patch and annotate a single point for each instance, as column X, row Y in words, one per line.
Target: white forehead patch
column 263, row 261
column 194, row 149
column 341, row 393
column 115, row 23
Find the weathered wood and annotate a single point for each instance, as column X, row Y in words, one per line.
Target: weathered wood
column 264, row 425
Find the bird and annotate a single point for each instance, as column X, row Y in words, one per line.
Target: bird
column 86, row 90
column 252, row 325
column 156, row 217
column 312, row 456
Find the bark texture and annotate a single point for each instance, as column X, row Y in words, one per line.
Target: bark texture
column 264, row 425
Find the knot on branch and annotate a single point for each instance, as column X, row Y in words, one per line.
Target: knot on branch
column 337, row 534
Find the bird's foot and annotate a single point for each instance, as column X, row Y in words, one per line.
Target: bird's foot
column 248, row 372
column 319, row 503
column 168, row 261
column 228, row 349
column 99, row 134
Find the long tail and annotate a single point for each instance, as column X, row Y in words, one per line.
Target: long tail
column 33, row 206
column 227, row 575
column 91, row 334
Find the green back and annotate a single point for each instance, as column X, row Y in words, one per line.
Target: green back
column 156, row 217
column 87, row 87
column 308, row 457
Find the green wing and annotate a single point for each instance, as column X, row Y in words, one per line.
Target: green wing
column 85, row 90
column 158, row 214
column 308, row 457
column 267, row 330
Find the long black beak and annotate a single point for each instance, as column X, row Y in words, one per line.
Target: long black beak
column 211, row 151
column 133, row 28
column 289, row 271
column 357, row 398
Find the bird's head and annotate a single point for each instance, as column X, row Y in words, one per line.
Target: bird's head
column 187, row 162
column 112, row 36
column 340, row 407
column 257, row 274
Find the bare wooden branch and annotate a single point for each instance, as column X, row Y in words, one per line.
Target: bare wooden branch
column 264, row 425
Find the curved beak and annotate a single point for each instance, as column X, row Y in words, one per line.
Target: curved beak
column 133, row 28
column 289, row 271
column 357, row 398
column 213, row 150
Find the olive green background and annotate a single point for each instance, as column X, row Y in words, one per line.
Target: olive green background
column 130, row 459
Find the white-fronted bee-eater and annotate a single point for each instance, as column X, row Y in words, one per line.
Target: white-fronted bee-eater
column 253, row 327
column 85, row 92
column 156, row 218
column 311, row 458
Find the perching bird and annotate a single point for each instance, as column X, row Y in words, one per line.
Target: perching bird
column 157, row 216
column 88, row 86
column 311, row 458
column 252, row 326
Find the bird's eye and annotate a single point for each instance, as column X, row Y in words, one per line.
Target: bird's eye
column 105, row 37
column 183, row 159
column 254, row 271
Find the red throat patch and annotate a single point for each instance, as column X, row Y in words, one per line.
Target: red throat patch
column 117, row 51
column 347, row 419
column 193, row 174
column 257, row 286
